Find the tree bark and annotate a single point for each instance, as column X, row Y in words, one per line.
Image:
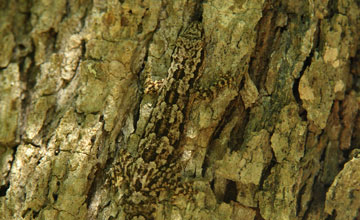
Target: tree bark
column 179, row 109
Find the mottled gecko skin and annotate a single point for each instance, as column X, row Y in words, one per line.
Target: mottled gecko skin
column 153, row 174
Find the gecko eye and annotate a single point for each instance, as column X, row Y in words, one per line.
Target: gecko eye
column 222, row 83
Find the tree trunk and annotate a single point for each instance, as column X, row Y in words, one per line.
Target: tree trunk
column 179, row 109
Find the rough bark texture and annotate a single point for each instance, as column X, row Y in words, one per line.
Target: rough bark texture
column 179, row 109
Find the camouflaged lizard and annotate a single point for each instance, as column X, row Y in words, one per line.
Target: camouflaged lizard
column 153, row 173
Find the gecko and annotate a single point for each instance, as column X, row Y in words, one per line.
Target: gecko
column 153, row 173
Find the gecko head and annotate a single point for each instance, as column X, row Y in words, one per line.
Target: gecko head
column 193, row 31
column 192, row 37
